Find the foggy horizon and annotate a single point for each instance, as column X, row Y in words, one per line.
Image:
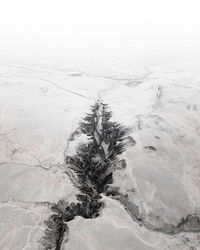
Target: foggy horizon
column 129, row 31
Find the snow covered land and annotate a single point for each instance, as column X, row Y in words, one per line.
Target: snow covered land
column 158, row 206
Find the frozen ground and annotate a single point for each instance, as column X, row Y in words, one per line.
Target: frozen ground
column 40, row 106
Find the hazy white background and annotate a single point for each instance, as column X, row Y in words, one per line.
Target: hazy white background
column 147, row 30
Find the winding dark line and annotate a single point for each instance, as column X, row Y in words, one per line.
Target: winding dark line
column 189, row 224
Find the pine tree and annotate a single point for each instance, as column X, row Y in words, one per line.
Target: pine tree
column 93, row 166
column 93, row 162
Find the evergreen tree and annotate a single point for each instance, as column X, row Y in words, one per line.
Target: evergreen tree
column 92, row 166
column 93, row 162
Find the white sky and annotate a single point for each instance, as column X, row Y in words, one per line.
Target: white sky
column 103, row 28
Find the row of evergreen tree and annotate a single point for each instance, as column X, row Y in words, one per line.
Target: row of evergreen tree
column 93, row 166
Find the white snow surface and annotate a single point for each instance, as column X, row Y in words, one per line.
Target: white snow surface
column 41, row 105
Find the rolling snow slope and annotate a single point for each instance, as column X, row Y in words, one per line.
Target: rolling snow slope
column 41, row 106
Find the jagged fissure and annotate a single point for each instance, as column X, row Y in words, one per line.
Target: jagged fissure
column 92, row 167
column 91, row 172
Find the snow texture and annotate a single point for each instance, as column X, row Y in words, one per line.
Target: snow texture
column 40, row 109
